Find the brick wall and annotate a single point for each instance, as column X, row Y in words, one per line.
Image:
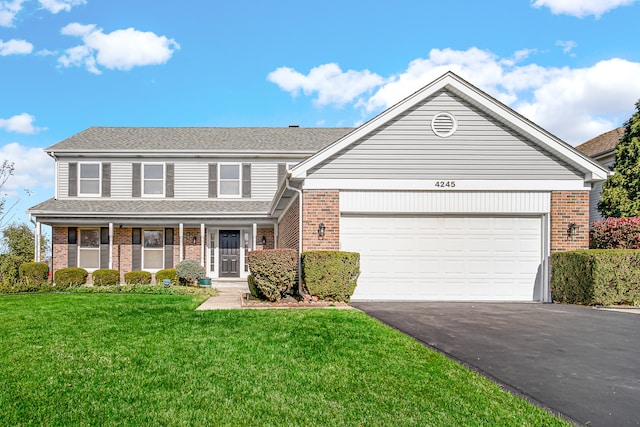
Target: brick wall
column 569, row 207
column 288, row 228
column 191, row 249
column 269, row 234
column 59, row 251
column 320, row 206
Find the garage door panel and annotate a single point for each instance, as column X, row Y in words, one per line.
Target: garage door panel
column 445, row 258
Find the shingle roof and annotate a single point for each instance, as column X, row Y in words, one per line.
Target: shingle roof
column 290, row 139
column 160, row 207
column 602, row 144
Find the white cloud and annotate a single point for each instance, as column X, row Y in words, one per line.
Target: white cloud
column 581, row 8
column 21, row 123
column 33, row 168
column 567, row 46
column 119, row 50
column 15, row 47
column 8, row 11
column 574, row 103
column 333, row 86
column 55, row 6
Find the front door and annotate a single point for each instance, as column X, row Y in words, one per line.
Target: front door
column 229, row 253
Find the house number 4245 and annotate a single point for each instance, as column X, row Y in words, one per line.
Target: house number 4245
column 445, row 184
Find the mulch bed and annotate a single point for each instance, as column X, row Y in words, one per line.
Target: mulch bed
column 249, row 301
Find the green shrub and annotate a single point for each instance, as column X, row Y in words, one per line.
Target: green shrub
column 253, row 288
column 137, row 278
column 71, row 276
column 20, row 286
column 273, row 271
column 331, row 275
column 105, row 277
column 596, row 277
column 34, row 272
column 167, row 273
column 10, row 268
column 189, row 271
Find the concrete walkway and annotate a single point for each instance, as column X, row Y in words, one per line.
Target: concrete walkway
column 229, row 295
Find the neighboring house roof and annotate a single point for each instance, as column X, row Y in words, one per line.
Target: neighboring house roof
column 602, row 144
column 149, row 209
column 592, row 170
column 194, row 139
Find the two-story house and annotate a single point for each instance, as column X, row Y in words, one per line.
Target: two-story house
column 447, row 195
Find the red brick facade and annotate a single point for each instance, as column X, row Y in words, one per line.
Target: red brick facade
column 59, row 250
column 569, row 207
column 269, row 234
column 321, row 207
column 288, row 227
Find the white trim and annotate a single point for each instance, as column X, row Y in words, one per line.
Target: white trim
column 79, row 246
column 142, row 179
column 143, row 249
column 202, row 244
column 591, row 169
column 79, row 182
column 430, row 185
column 110, row 245
column 181, row 237
column 219, row 181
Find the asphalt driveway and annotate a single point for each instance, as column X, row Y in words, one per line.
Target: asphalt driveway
column 579, row 361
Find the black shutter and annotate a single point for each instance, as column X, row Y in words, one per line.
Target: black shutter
column 282, row 171
column 169, row 180
column 246, row 180
column 168, row 248
column 213, row 180
column 136, row 181
column 104, row 247
column 136, row 249
column 106, row 179
column 72, row 247
column 73, row 179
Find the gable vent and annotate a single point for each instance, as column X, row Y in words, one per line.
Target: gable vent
column 444, row 124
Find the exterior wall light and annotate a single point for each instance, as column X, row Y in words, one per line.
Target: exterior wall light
column 263, row 240
column 572, row 230
column 321, row 230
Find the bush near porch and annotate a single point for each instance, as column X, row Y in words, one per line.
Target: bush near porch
column 273, row 272
column 596, row 277
column 330, row 275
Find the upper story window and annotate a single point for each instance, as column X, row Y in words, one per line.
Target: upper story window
column 230, row 181
column 153, row 179
column 89, row 179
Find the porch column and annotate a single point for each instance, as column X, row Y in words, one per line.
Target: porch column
column 202, row 242
column 38, row 234
column 255, row 237
column 181, row 237
column 275, row 236
column 110, row 246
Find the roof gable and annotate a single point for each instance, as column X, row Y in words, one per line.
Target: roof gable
column 591, row 170
column 602, row 144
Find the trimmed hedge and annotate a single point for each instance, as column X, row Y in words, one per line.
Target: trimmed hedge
column 137, row 278
column 253, row 288
column 596, row 277
column 167, row 273
column 273, row 271
column 331, row 275
column 34, row 272
column 616, row 233
column 105, row 277
column 71, row 276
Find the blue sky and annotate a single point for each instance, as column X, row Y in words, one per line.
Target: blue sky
column 572, row 66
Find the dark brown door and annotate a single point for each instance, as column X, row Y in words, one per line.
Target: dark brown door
column 230, row 253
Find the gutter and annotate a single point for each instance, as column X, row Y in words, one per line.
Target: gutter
column 287, row 182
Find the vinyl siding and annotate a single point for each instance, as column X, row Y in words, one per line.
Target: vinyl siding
column 480, row 149
column 596, row 190
column 121, row 173
column 264, row 177
column 191, row 181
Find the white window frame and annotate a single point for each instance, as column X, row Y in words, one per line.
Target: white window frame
column 80, row 179
column 143, row 179
column 81, row 249
column 230, row 196
column 144, row 249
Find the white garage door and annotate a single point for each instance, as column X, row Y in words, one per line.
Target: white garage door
column 448, row 258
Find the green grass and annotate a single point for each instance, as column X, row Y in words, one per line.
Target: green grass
column 108, row 359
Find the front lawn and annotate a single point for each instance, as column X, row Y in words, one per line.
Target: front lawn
column 106, row 359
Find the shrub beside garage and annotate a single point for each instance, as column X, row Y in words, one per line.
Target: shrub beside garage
column 596, row 277
column 331, row 275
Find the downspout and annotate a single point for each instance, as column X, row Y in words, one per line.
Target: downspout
column 286, row 182
column 36, row 239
